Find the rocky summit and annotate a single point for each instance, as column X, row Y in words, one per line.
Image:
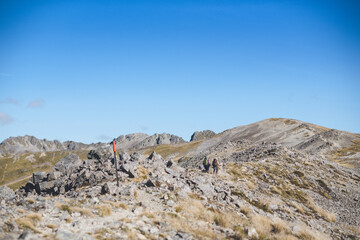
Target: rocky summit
column 277, row 179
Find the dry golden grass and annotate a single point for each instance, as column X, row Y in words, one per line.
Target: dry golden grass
column 35, row 217
column 136, row 193
column 82, row 211
column 148, row 214
column 114, row 204
column 52, row 226
column 63, row 207
column 27, row 223
column 328, row 216
column 250, row 185
column 225, row 220
column 279, row 226
column 104, row 210
column 298, row 208
column 179, row 208
column 262, row 224
column 68, row 220
column 198, row 229
column 123, row 206
column 30, row 200
column 305, row 233
column 20, row 210
column 276, row 190
column 245, row 209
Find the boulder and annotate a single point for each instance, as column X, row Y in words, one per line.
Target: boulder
column 46, row 187
column 155, row 157
column 129, row 169
column 53, row 175
column 149, row 183
column 68, row 164
column 6, row 193
column 169, row 163
column 109, row 188
column 123, row 156
column 101, row 154
column 38, row 177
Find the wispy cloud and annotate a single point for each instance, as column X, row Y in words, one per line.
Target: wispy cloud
column 103, row 137
column 38, row 103
column 5, row 119
column 10, row 101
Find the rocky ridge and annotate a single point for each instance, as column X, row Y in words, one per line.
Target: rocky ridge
column 27, row 143
column 264, row 190
column 196, row 136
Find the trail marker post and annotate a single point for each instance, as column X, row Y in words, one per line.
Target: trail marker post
column 116, row 168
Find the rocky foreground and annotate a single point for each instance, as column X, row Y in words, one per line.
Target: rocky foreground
column 262, row 191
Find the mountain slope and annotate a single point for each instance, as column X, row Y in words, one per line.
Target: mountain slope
column 300, row 135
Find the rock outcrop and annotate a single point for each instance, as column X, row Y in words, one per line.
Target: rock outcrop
column 196, row 136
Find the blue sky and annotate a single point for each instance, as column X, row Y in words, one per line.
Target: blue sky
column 93, row 70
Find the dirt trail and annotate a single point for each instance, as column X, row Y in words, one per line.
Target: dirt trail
column 16, row 180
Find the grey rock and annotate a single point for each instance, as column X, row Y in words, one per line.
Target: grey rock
column 53, row 175
column 149, row 183
column 6, row 193
column 68, row 164
column 46, row 187
column 109, row 188
column 202, row 135
column 123, row 156
column 155, row 157
column 38, row 177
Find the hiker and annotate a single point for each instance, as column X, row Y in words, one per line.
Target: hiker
column 206, row 164
column 215, row 165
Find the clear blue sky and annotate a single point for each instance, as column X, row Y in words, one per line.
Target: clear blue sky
column 93, row 70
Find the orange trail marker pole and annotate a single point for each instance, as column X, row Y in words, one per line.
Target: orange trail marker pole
column 116, row 168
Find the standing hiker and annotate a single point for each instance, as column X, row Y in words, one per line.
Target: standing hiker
column 206, row 164
column 215, row 165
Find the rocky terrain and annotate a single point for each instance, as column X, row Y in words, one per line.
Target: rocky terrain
column 202, row 135
column 272, row 184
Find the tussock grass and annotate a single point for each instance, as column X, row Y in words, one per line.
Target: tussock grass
column 245, row 209
column 305, row 233
column 27, row 223
column 63, row 207
column 298, row 208
column 20, row 210
column 35, row 217
column 276, row 190
column 262, row 224
column 30, row 200
column 143, row 174
column 104, row 210
column 82, row 211
column 328, row 216
column 279, row 226
column 52, row 226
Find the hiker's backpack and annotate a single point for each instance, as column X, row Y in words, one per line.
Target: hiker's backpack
column 215, row 163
